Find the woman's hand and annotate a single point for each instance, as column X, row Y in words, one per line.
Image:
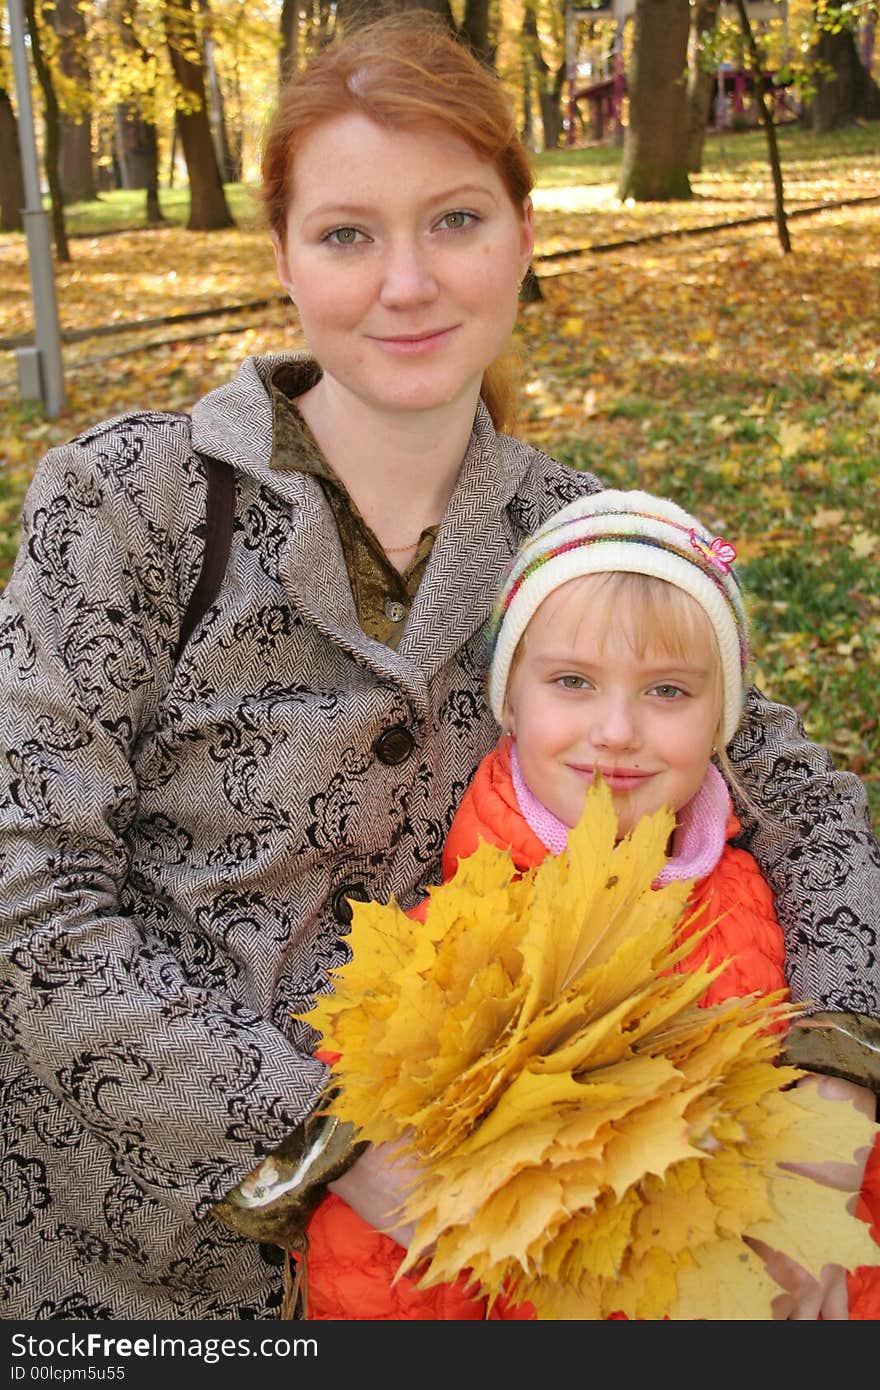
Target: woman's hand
column 376, row 1187
column 806, row 1297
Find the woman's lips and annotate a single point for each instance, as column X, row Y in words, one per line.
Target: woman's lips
column 413, row 344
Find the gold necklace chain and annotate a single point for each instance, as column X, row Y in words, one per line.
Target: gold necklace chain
column 399, row 549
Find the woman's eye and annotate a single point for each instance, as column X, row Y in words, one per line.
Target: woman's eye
column 668, row 692
column 343, row 236
column 455, row 221
column 570, row 682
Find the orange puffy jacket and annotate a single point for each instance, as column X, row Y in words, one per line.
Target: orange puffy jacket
column 351, row 1266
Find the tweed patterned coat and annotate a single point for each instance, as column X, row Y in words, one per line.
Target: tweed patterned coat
column 178, row 844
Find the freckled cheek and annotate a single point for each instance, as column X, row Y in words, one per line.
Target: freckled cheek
column 340, row 305
column 332, row 298
column 490, row 278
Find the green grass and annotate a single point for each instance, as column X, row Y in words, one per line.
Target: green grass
column 730, row 153
column 123, row 209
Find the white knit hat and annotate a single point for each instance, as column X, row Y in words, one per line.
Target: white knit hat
column 625, row 531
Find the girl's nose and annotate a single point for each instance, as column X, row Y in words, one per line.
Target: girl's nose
column 614, row 725
column 407, row 276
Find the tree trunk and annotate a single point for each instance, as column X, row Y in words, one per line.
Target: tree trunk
column 222, row 146
column 208, row 209
column 132, row 147
column 216, row 105
column 551, row 118
column 475, row 31
column 288, row 53
column 137, row 145
column 75, row 168
column 868, row 30
column 528, row 120
column 704, row 19
column 172, row 155
column 549, row 85
column 756, row 62
column 848, row 91
column 655, row 146
column 536, row 68
column 52, row 134
column 137, row 141
column 11, row 176
column 530, row 290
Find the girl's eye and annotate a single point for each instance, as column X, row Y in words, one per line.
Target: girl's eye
column 668, row 692
column 571, row 682
column 343, row 236
column 455, row 221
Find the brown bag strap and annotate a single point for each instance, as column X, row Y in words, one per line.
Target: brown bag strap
column 219, row 516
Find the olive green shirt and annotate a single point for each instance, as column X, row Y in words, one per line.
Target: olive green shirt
column 382, row 595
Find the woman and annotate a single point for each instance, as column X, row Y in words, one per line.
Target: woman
column 182, row 840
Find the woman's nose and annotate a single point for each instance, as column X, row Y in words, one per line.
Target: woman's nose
column 407, row 277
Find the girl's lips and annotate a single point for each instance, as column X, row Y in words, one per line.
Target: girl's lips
column 619, row 779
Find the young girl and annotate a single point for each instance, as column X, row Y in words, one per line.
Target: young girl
column 620, row 653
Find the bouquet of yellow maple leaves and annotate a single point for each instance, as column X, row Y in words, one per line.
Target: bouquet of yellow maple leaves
column 587, row 1137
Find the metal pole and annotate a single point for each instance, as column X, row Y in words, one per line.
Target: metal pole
column 40, row 372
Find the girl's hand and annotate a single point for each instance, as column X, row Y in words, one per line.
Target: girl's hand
column 376, row 1187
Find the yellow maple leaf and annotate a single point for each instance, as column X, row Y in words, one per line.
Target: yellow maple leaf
column 851, row 390
column 827, row 518
column 863, row 544
column 792, row 439
column 727, row 1280
column 720, row 425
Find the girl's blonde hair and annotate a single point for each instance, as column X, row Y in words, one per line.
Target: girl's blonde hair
column 405, row 71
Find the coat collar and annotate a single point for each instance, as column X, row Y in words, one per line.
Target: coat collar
column 473, row 548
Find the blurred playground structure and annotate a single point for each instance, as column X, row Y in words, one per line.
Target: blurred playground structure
column 596, row 74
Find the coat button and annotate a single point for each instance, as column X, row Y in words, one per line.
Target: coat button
column 394, row 745
column 341, row 907
column 395, row 611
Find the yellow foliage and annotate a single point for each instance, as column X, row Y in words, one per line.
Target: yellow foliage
column 792, row 438
column 863, row 544
column 588, row 1137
